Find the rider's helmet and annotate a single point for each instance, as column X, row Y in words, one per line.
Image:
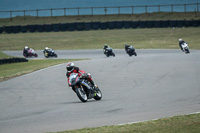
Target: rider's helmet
column 180, row 40
column 70, row 67
column 126, row 45
column 26, row 47
column 105, row 46
column 46, row 48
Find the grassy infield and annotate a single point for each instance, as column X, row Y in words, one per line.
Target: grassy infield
column 140, row 38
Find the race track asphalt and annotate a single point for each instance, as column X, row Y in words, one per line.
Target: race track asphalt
column 153, row 85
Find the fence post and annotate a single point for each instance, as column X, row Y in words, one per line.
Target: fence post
column 24, row 14
column 132, row 10
column 10, row 15
column 92, row 10
column 51, row 12
column 146, row 9
column 185, row 8
column 64, row 11
column 118, row 10
column 172, row 8
column 37, row 13
column 158, row 8
column 105, row 11
column 78, row 11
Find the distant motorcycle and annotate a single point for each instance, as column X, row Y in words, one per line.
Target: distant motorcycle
column 131, row 51
column 50, row 53
column 109, row 52
column 31, row 53
column 185, row 48
column 83, row 88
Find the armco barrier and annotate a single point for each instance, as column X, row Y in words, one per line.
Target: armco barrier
column 12, row 60
column 81, row 26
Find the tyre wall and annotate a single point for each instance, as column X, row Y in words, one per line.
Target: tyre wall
column 12, row 60
column 82, row 26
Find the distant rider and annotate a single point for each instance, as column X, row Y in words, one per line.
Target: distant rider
column 105, row 48
column 46, row 50
column 180, row 43
column 25, row 51
column 71, row 68
column 127, row 47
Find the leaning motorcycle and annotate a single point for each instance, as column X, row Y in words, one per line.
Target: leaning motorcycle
column 185, row 48
column 31, row 53
column 131, row 51
column 109, row 52
column 50, row 53
column 83, row 88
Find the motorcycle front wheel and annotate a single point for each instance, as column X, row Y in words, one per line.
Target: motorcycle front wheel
column 98, row 95
column 36, row 55
column 188, row 51
column 81, row 94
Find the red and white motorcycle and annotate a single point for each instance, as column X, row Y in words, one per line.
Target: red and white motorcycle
column 31, row 53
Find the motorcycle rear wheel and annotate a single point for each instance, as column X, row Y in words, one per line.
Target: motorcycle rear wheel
column 81, row 94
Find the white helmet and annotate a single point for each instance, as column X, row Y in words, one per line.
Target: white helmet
column 46, row 48
column 26, row 47
column 180, row 39
column 70, row 67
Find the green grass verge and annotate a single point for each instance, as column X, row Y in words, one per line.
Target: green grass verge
column 2, row 55
column 177, row 124
column 28, row 20
column 8, row 71
column 144, row 38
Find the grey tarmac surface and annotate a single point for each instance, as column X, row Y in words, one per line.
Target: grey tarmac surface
column 155, row 84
